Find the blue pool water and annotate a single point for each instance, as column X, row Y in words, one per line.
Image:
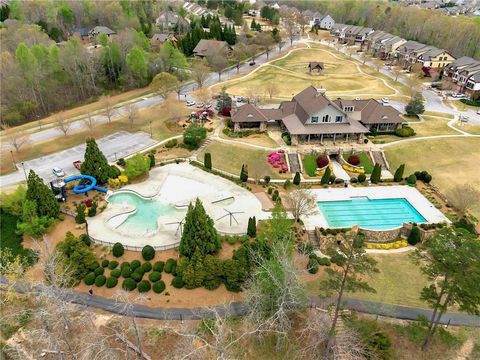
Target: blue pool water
column 148, row 211
column 376, row 214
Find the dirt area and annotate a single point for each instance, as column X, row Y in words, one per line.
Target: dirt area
column 163, row 153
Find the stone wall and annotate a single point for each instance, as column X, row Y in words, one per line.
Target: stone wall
column 382, row 236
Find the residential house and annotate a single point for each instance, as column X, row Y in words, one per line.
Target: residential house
column 98, row 30
column 208, row 48
column 388, row 47
column 373, row 40
column 407, row 53
column 464, row 74
column 169, row 21
column 79, row 33
column 196, row 9
column 157, row 40
column 435, row 58
column 338, row 30
column 321, row 21
column 355, row 34
column 309, row 116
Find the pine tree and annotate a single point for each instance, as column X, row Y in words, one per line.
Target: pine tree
column 253, row 25
column 47, row 204
column 296, row 178
column 252, row 227
column 326, row 176
column 207, row 161
column 244, row 173
column 376, row 173
column 96, row 163
column 198, row 232
column 399, row 173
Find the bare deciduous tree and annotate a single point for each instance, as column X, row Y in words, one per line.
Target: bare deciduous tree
column 108, row 109
column 63, row 125
column 464, row 197
column 173, row 108
column 132, row 114
column 90, row 121
column 301, row 203
column 271, row 88
column 16, row 138
column 200, row 72
column 203, row 95
column 218, row 62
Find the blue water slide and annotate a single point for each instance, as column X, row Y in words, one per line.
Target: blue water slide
column 83, row 188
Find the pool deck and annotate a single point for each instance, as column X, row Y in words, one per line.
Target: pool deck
column 411, row 194
column 179, row 185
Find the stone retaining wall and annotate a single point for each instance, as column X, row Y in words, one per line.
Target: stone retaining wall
column 382, row 236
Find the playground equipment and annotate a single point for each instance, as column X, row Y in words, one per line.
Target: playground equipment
column 83, row 188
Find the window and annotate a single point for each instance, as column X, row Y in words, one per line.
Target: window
column 314, row 119
column 339, row 118
column 326, row 118
column 348, row 108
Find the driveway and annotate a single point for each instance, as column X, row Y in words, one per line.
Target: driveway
column 114, row 146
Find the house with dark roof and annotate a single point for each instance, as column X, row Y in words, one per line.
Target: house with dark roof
column 157, row 40
column 321, row 21
column 208, row 48
column 98, row 30
column 316, row 65
column 464, row 75
column 169, row 21
column 309, row 116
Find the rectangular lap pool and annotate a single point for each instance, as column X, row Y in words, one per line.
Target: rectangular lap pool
column 376, row 214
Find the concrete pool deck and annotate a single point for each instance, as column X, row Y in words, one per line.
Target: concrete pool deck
column 178, row 185
column 411, row 194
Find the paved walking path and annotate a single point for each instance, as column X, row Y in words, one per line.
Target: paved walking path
column 339, row 172
column 239, row 308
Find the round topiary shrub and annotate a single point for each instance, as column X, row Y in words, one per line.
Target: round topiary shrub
column 137, row 276
column 361, row 178
column 148, row 252
column 177, row 282
column 353, row 180
column 105, row 263
column 158, row 266
column 155, row 276
column 89, row 279
column 126, row 272
column 412, row 179
column 115, row 273
column 405, row 131
column 169, row 265
column 322, row 161
column 147, row 266
column 86, row 239
column 427, row 178
column 100, row 280
column 144, row 286
column 129, row 284
column 99, row 271
column 339, row 181
column 353, row 160
column 113, row 264
column 118, row 249
column 135, row 264
column 158, row 287
column 94, row 265
column 111, row 282
column 125, row 264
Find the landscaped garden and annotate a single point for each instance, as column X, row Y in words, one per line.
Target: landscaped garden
column 359, row 159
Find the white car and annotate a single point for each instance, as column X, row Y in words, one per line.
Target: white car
column 385, row 100
column 458, row 95
column 58, row 172
column 190, row 103
column 464, row 117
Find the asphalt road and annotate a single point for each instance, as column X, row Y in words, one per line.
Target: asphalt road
column 114, row 146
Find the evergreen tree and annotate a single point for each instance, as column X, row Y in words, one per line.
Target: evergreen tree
column 399, row 173
column 198, row 232
column 376, row 175
column 415, row 106
column 326, row 176
column 207, row 161
column 96, row 163
column 244, row 173
column 252, row 227
column 253, row 25
column 47, row 204
column 296, row 178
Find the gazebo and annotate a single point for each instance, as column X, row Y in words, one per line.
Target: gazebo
column 315, row 65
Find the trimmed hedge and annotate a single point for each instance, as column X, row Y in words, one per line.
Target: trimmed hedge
column 137, row 276
column 405, row 131
column 89, row 279
column 170, row 265
column 177, row 282
column 155, row 276
column 99, row 271
column 158, row 287
column 135, row 264
column 129, row 284
column 111, row 282
column 113, row 264
column 146, row 266
column 126, row 272
column 148, row 252
column 118, row 249
column 144, row 286
column 115, row 273
column 158, row 266
column 105, row 263
column 100, row 280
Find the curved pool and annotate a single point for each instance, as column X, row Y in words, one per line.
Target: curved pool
column 145, row 218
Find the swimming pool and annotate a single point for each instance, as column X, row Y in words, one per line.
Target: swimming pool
column 148, row 211
column 374, row 214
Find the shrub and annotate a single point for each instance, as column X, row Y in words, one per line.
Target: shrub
column 155, row 276
column 322, row 161
column 399, row 173
column 158, row 266
column 324, row 261
column 139, row 270
column 144, row 286
column 126, row 272
column 118, row 249
column 244, row 173
column 471, row 102
column 193, row 135
column 80, row 217
column 412, row 179
column 266, row 180
column 135, row 264
column 353, row 180
column 129, row 284
column 296, row 178
column 100, row 280
column 115, row 273
column 86, row 239
column 270, row 190
column 151, row 158
column 353, row 160
column 339, row 181
column 148, row 252
column 147, row 266
column 405, row 131
column 93, row 265
column 177, row 282
column 89, row 279
column 376, row 175
column 99, row 271
column 105, row 263
column 137, row 166
column 158, row 287
column 137, row 276
column 171, row 143
column 286, row 184
column 112, row 281
column 170, row 265
column 326, row 176
column 361, row 178
column 312, row 265
column 207, row 161
column 124, row 265
column 427, row 179
column 113, row 264
column 414, row 237
column 331, row 179
column 121, row 162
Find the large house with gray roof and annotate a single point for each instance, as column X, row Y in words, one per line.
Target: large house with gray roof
column 464, row 74
column 311, row 117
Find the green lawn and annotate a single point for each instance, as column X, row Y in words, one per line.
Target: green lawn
column 365, row 161
column 310, row 164
column 432, row 126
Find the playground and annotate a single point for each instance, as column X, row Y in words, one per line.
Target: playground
column 153, row 212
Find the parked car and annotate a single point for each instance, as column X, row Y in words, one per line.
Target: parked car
column 240, row 99
column 190, row 102
column 458, row 95
column 385, row 100
column 464, row 117
column 436, row 85
column 58, row 172
column 77, row 164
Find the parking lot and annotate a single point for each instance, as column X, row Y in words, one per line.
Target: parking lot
column 114, row 146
